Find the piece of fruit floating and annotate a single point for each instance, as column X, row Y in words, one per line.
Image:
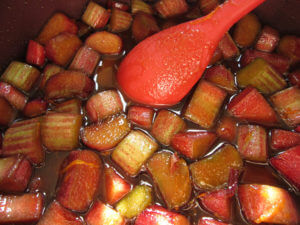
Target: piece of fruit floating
column 49, row 71
column 133, row 151
column 246, row 30
column 228, row 47
column 283, row 139
column 68, row 84
column 135, row 201
column 69, row 106
column 294, row 78
column 227, row 128
column 95, row 15
column 267, row 204
column 193, row 144
column 166, row 125
column 222, row 77
column 106, row 134
column 115, row 187
column 261, row 75
column 103, row 105
column 120, row 20
column 143, row 26
column 60, row 131
column 79, row 180
column 251, row 106
column 35, row 108
column 217, row 56
column 35, row 53
column 214, row 171
column 171, row 8
column 205, row 104
column 278, row 62
column 171, row 175
column 252, row 142
column 55, row 214
column 206, row 6
column 267, row 40
column 15, row 173
column 7, row 113
column 209, row 221
column 288, row 164
column 106, row 74
column 289, row 46
column 105, row 42
column 287, row 104
column 24, row 137
column 25, row 208
column 140, row 6
column 62, row 48
column 157, row 215
column 141, row 116
column 101, row 214
column 20, row 75
column 85, row 60
column 123, row 5
column 57, row 24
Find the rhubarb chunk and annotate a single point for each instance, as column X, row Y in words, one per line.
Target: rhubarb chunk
column 141, row 116
column 171, row 8
column 60, row 131
column 106, row 134
column 227, row 128
column 294, row 78
column 228, row 47
column 106, row 74
column 166, row 125
column 79, row 180
column 171, row 174
column 70, row 106
column 267, row 40
column 95, row 15
column 289, row 46
column 133, row 151
column 120, row 21
column 13, row 96
column 7, row 113
column 267, row 204
column 210, row 221
column 35, row 108
column 35, row 53
column 205, row 104
column 283, row 139
column 140, row 6
column 207, row 6
column 49, row 71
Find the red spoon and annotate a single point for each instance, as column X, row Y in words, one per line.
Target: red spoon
column 163, row 68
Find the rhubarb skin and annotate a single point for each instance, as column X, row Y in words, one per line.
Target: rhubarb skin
column 227, row 129
column 79, row 180
column 95, row 15
column 171, row 8
column 35, row 53
column 283, row 139
column 141, row 116
column 123, row 5
column 267, row 40
column 289, row 46
column 267, row 204
column 141, row 6
column 106, row 74
column 49, row 71
column 13, row 96
column 35, row 108
column 157, row 215
column 228, row 47
column 294, row 78
column 210, row 221
column 7, row 113
column 120, row 20
column 217, row 56
column 171, row 174
column 69, row 106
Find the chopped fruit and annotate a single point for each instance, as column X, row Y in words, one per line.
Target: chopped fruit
column 95, row 15
column 143, row 26
column 290, row 46
column 227, row 128
column 106, row 74
column 294, row 78
column 210, row 221
column 283, row 139
column 251, row 106
column 288, row 164
column 20, row 75
column 166, row 125
column 133, row 151
column 267, row 204
column 171, row 8
column 246, row 30
column 120, row 20
column 15, row 173
column 115, row 187
column 7, row 113
column 106, row 134
column 58, row 23
column 171, row 174
column 207, row 6
column 205, row 104
column 287, row 104
column 70, row 106
column 35, row 53
column 252, row 142
column 35, row 108
column 79, row 180
column 101, row 214
column 13, row 96
column 62, row 48
column 267, row 40
column 83, row 29
column 103, row 105
column 228, row 47
column 157, row 215
column 214, row 170
column 23, row 137
column 49, row 71
column 222, row 77
column 135, row 202
column 278, row 62
column 123, row 5
column 68, row 84
column 193, row 144
column 260, row 74
column 55, row 214
column 217, row 56
column 60, row 131
column 85, row 60
column 105, row 42
column 141, row 116
column 140, row 6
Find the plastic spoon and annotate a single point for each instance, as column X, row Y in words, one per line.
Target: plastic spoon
column 163, row 68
